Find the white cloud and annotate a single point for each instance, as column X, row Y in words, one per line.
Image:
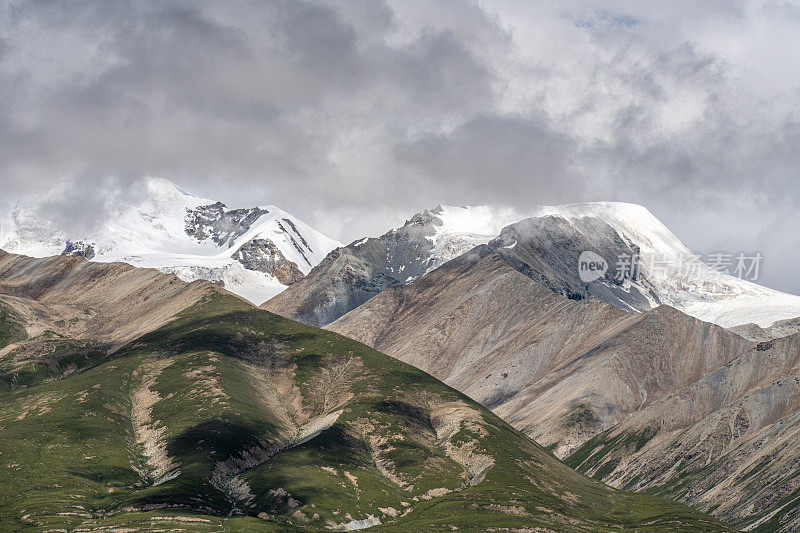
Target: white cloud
column 356, row 113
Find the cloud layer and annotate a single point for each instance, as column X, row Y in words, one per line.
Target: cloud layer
column 354, row 114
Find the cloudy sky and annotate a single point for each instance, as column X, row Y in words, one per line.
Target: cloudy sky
column 354, row 114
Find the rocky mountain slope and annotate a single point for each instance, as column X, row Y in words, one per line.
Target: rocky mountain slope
column 560, row 370
column 656, row 401
column 779, row 329
column 727, row 443
column 220, row 416
column 253, row 252
column 547, row 248
column 351, row 275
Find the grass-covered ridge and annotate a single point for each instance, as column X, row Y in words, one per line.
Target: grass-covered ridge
column 11, row 328
column 232, row 418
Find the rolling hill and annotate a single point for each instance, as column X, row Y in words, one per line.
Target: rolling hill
column 214, row 415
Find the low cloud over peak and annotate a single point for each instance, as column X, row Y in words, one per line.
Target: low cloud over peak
column 356, row 114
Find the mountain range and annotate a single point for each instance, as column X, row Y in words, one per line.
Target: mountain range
column 131, row 400
column 581, row 340
column 546, row 247
column 259, row 252
column 655, row 401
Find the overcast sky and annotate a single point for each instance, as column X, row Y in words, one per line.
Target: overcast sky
column 354, row 114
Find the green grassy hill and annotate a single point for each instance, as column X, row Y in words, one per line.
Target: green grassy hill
column 232, row 418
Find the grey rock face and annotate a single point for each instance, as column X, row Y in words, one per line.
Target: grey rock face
column 546, row 249
column 79, row 248
column 262, row 255
column 300, row 249
column 340, row 283
column 351, row 275
column 219, row 224
column 780, row 329
column 259, row 254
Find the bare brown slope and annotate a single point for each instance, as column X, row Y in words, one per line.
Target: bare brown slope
column 672, row 404
column 474, row 319
column 560, row 370
column 110, row 302
column 729, row 442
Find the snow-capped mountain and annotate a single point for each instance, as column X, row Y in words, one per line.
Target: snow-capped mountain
column 258, row 252
column 547, row 247
column 351, row 275
column 253, row 252
column 433, row 237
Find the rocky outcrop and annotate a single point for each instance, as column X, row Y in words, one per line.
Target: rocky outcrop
column 779, row 329
column 262, row 255
column 221, row 225
column 79, row 248
column 287, row 273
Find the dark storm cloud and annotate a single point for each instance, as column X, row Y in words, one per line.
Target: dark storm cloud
column 355, row 113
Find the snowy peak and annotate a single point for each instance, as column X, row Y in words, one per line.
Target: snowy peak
column 481, row 220
column 635, row 223
column 233, row 229
column 665, row 270
column 351, row 275
column 547, row 249
column 255, row 252
column 451, row 231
